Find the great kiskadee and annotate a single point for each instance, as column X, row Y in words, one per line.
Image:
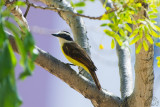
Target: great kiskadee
column 77, row 55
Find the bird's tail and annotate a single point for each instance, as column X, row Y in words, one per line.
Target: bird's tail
column 94, row 76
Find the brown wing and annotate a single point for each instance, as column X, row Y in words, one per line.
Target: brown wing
column 79, row 54
column 76, row 52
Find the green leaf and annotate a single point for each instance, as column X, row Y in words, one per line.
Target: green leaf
column 138, row 5
column 158, row 57
column 157, row 44
column 152, row 16
column 19, row 43
column 109, row 33
column 2, row 35
column 80, row 11
column 154, row 34
column 149, row 38
column 135, row 39
column 8, row 92
column 157, row 28
column 134, row 33
column 13, row 28
column 104, row 24
column 121, row 31
column 114, row 27
column 28, row 42
column 118, row 39
column 152, row 6
column 112, row 44
column 80, row 4
column 155, row 10
column 139, row 48
column 7, row 60
column 153, row 21
column 20, row 3
column 127, row 27
column 72, row 4
column 145, row 45
column 150, row 12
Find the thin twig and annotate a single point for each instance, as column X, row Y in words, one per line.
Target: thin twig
column 77, row 14
column 27, row 10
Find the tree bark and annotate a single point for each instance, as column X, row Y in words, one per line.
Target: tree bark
column 144, row 77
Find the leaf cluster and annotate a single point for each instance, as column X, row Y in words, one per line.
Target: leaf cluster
column 123, row 19
column 25, row 43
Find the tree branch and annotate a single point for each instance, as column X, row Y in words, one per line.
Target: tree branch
column 81, row 84
column 124, row 62
column 16, row 11
column 76, row 14
column 144, row 77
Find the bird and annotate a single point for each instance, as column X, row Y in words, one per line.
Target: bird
column 76, row 54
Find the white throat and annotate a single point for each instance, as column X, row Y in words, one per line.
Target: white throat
column 62, row 41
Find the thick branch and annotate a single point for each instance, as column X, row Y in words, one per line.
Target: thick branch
column 68, row 75
column 144, row 76
column 125, row 69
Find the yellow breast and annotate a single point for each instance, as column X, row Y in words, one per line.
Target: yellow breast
column 73, row 61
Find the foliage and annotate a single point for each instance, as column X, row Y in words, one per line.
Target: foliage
column 79, row 4
column 121, row 21
column 8, row 92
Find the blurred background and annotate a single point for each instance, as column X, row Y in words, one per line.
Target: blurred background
column 43, row 89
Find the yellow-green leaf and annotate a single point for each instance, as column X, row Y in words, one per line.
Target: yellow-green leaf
column 121, row 31
column 153, row 33
column 158, row 63
column 152, row 16
column 118, row 39
column 127, row 27
column 139, row 48
column 145, row 45
column 158, row 44
column 101, row 46
column 134, row 33
column 149, row 38
column 158, row 57
column 80, row 4
column 152, row 6
column 157, row 28
column 138, row 5
column 112, row 44
column 155, row 10
column 135, row 40
column 109, row 33
column 104, row 24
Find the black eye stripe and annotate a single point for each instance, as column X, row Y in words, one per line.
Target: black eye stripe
column 66, row 36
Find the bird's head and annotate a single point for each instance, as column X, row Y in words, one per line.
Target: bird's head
column 63, row 35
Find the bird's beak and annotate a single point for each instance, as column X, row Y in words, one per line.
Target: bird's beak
column 56, row 35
